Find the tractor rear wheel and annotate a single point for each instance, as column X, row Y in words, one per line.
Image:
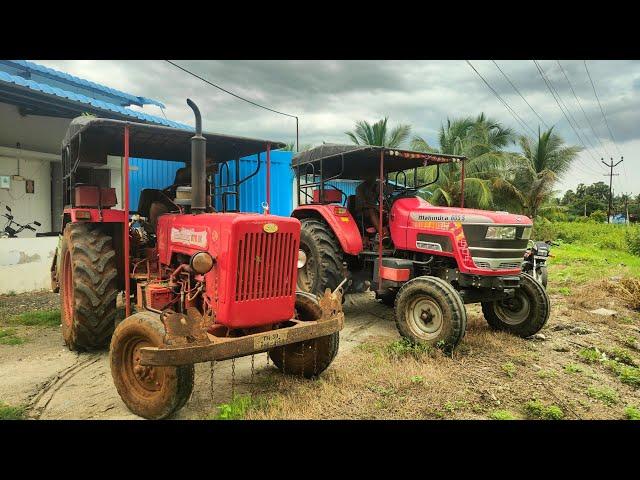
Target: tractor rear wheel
column 311, row 357
column 88, row 284
column 524, row 314
column 429, row 310
column 150, row 392
column 320, row 258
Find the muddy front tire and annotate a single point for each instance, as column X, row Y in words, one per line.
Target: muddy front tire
column 525, row 314
column 88, row 286
column 311, row 357
column 322, row 256
column 150, row 392
column 429, row 310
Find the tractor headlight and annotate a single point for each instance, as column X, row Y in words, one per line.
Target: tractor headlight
column 501, row 233
column 302, row 258
column 201, row 262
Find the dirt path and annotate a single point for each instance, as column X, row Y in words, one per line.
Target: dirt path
column 58, row 384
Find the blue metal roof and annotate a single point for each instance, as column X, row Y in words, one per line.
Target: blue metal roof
column 119, row 97
column 95, row 103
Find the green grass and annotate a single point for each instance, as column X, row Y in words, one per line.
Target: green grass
column 451, row 407
column 509, row 368
column 8, row 336
column 595, row 235
column 537, row 410
column 404, row 348
column 573, row 368
column 574, row 264
column 632, row 413
column 237, row 408
column 8, row 412
column 502, row 415
column 591, row 355
column 606, row 395
column 546, row 373
column 46, row 318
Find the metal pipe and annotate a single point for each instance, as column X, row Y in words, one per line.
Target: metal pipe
column 380, row 206
column 461, row 184
column 198, row 165
column 125, row 226
column 268, row 178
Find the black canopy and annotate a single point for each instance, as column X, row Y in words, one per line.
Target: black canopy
column 106, row 137
column 356, row 161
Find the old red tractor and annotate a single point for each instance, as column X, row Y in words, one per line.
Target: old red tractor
column 426, row 260
column 204, row 285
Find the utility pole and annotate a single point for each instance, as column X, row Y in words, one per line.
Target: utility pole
column 611, row 175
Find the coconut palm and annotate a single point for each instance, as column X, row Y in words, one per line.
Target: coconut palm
column 291, row 147
column 488, row 168
column 379, row 134
column 546, row 159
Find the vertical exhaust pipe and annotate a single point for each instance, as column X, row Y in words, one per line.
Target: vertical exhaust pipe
column 198, row 164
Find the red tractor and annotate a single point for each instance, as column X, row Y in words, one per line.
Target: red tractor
column 204, row 285
column 426, row 260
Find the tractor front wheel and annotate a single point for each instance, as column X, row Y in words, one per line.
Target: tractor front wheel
column 311, row 357
column 429, row 310
column 524, row 314
column 150, row 392
column 88, row 286
column 319, row 259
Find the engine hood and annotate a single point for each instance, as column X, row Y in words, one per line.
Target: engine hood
column 422, row 211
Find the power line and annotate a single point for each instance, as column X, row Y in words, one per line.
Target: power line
column 507, row 106
column 239, row 97
column 521, row 96
column 557, row 100
column 582, row 109
column 600, row 105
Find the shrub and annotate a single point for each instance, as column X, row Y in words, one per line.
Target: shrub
column 632, row 239
column 598, row 216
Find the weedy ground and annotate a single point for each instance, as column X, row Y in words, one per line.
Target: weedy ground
column 587, row 366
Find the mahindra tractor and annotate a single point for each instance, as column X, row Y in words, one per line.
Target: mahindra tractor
column 425, row 260
column 199, row 284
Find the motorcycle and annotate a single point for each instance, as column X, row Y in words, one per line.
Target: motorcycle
column 12, row 228
column 535, row 260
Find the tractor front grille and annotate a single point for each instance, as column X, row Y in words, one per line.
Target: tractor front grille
column 265, row 265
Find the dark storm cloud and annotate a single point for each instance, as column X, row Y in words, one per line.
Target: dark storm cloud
column 329, row 96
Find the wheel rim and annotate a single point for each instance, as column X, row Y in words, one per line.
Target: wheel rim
column 424, row 317
column 307, row 273
column 67, row 290
column 514, row 311
column 141, row 381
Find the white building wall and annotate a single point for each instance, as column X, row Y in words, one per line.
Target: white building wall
column 25, row 263
column 27, row 207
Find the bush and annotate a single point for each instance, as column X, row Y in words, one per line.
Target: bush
column 598, row 216
column 632, row 239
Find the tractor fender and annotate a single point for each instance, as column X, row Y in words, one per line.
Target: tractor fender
column 342, row 224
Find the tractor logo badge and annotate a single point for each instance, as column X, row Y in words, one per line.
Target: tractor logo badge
column 189, row 236
column 270, row 227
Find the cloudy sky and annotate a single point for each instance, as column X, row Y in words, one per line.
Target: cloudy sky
column 329, row 96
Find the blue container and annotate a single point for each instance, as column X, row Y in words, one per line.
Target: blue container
column 253, row 192
column 144, row 173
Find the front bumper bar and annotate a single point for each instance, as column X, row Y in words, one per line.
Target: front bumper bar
column 224, row 348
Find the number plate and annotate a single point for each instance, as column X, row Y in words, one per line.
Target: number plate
column 269, row 341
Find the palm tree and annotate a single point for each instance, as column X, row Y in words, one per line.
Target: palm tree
column 546, row 159
column 488, row 168
column 379, row 134
column 291, row 147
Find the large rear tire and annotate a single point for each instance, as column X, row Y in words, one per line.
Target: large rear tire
column 525, row 314
column 311, row 357
column 429, row 310
column 88, row 286
column 323, row 256
column 150, row 392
